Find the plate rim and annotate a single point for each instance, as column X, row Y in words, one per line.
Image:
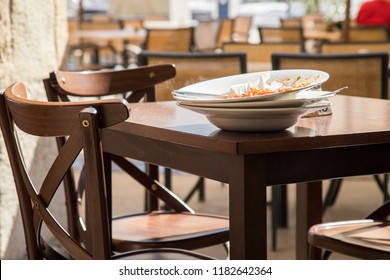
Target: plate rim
column 252, row 98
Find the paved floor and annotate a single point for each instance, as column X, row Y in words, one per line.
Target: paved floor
column 358, row 196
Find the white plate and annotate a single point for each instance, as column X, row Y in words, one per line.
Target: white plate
column 214, row 90
column 302, row 99
column 255, row 120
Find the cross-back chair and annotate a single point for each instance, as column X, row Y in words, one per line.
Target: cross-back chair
column 363, row 239
column 169, row 40
column 178, row 227
column 81, row 122
column 366, row 75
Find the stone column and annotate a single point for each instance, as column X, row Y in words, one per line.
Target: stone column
column 32, row 44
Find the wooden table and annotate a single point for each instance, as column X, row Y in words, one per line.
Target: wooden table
column 107, row 35
column 355, row 140
column 123, row 36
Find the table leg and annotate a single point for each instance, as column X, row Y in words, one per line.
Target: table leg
column 247, row 210
column 309, row 212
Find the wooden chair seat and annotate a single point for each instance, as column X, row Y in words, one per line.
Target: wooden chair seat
column 161, row 229
column 364, row 239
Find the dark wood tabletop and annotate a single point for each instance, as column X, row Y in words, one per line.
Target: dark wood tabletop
column 354, row 140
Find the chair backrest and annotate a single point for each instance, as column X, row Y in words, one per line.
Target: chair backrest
column 365, row 75
column 205, row 35
column 131, row 23
column 281, row 34
column 81, row 122
column 376, row 33
column 169, row 40
column 225, row 31
column 134, row 84
column 291, row 22
column 354, row 47
column 261, row 53
column 241, row 28
column 193, row 67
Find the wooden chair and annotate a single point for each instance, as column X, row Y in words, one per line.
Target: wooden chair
column 82, row 122
column 180, row 227
column 135, row 23
column 368, row 34
column 169, row 40
column 281, row 34
column 193, row 67
column 366, row 75
column 291, row 22
column 363, row 239
column 354, row 47
column 205, row 36
column 79, row 54
column 225, row 31
column 241, row 28
column 259, row 55
column 109, row 50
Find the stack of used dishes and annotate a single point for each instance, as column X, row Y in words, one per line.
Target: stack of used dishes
column 255, row 102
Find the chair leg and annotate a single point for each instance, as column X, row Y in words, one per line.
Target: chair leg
column 383, row 185
column 199, row 186
column 331, row 195
column 168, row 178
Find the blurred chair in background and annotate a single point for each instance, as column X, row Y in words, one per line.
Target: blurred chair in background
column 368, row 34
column 281, row 34
column 259, row 55
column 205, row 36
column 241, row 28
column 170, row 40
column 354, row 47
column 225, row 31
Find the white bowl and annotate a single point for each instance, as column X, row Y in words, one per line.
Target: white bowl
column 255, row 119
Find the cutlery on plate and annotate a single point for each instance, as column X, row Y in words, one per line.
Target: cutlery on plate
column 340, row 89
